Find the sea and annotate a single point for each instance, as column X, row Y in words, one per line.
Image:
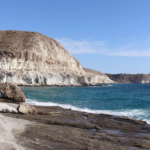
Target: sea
column 131, row 100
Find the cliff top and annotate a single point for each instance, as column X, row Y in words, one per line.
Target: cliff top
column 92, row 71
column 21, row 41
column 12, row 43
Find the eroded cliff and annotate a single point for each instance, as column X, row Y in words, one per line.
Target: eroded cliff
column 30, row 58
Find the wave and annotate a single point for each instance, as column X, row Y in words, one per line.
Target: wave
column 139, row 114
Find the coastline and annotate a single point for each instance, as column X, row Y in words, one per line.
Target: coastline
column 101, row 84
column 67, row 129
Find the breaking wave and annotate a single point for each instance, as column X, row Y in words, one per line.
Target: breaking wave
column 139, row 114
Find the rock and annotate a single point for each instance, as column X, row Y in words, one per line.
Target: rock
column 30, row 58
column 93, row 77
column 24, row 108
column 8, row 108
column 12, row 91
column 74, row 130
column 84, row 81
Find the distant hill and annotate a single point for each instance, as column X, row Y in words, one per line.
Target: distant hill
column 130, row 78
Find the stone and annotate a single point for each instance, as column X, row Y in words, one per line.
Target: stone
column 8, row 108
column 24, row 108
column 30, row 58
column 11, row 91
column 84, row 81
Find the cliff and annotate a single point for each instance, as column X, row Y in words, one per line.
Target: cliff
column 30, row 58
column 130, row 78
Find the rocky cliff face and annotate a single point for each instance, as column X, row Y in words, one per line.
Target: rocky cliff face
column 30, row 58
column 130, row 78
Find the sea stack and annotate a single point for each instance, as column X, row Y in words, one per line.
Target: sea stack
column 30, row 58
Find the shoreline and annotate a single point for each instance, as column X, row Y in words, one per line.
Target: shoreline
column 74, row 108
column 67, row 129
column 130, row 113
column 101, row 84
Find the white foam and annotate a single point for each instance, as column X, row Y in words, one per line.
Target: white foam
column 108, row 85
column 131, row 113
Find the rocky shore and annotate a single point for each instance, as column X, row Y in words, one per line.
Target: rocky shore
column 64, row 129
column 26, row 127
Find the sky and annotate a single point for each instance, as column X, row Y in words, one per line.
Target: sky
column 111, row 36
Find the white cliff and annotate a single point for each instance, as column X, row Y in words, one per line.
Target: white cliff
column 30, row 58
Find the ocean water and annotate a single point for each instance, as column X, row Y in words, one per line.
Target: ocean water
column 132, row 100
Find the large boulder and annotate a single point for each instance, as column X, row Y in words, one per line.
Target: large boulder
column 12, row 91
column 24, row 108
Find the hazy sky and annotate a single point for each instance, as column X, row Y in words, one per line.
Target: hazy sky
column 112, row 36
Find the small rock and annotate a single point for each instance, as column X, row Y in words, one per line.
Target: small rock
column 24, row 108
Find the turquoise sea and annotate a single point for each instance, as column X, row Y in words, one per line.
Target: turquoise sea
column 132, row 100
